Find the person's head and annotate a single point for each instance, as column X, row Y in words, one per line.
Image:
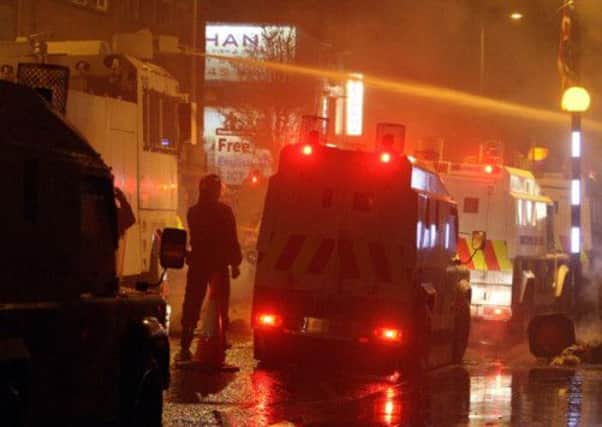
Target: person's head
column 210, row 188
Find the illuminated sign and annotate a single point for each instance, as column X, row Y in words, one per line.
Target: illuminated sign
column 231, row 154
column 355, row 107
column 263, row 42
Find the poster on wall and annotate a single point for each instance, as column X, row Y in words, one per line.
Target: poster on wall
column 231, row 154
column 245, row 41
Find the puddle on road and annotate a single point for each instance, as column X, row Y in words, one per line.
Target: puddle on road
column 483, row 392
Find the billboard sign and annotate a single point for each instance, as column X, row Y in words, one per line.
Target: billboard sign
column 230, row 153
column 263, row 42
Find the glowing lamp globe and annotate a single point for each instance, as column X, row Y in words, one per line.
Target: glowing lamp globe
column 516, row 16
column 575, row 100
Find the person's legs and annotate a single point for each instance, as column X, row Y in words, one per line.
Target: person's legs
column 225, row 298
column 196, row 287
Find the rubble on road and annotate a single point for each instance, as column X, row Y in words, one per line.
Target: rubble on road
column 579, row 353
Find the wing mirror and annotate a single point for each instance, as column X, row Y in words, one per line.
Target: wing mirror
column 479, row 240
column 173, row 248
column 172, row 254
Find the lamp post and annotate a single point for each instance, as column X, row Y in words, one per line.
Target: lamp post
column 514, row 16
column 575, row 100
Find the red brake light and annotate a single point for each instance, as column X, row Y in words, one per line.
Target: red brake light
column 488, row 169
column 385, row 157
column 388, row 334
column 307, row 150
column 254, row 179
column 501, row 313
column 268, row 320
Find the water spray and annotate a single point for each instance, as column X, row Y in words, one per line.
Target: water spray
column 418, row 90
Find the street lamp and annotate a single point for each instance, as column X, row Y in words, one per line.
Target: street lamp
column 514, row 16
column 575, row 100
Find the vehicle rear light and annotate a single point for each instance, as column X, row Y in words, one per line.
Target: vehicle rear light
column 307, row 150
column 268, row 320
column 385, row 157
column 488, row 169
column 254, row 178
column 391, row 335
column 501, row 313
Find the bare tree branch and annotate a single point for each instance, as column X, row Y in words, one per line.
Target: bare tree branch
column 276, row 100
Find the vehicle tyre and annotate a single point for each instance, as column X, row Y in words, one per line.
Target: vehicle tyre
column 12, row 406
column 461, row 329
column 147, row 407
column 527, row 309
column 15, row 383
column 415, row 363
column 265, row 350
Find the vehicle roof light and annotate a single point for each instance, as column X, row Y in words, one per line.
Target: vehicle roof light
column 307, row 150
column 385, row 157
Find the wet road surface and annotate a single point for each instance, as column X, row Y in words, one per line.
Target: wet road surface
column 492, row 388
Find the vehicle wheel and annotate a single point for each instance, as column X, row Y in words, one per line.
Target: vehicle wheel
column 527, row 309
column 461, row 330
column 12, row 405
column 147, row 407
column 414, row 365
column 265, row 350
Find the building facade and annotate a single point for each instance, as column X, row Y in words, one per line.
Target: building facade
column 93, row 19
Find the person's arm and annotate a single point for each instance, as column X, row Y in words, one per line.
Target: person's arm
column 192, row 229
column 125, row 214
column 234, row 252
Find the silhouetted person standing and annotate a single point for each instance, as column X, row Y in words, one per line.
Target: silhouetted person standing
column 214, row 248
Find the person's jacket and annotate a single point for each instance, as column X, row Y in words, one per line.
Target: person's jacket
column 213, row 237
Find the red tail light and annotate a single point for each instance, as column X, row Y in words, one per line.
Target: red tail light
column 502, row 313
column 391, row 335
column 268, row 320
column 254, row 178
column 385, row 157
column 307, row 150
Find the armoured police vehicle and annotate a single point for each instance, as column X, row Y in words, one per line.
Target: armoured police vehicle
column 75, row 349
column 356, row 257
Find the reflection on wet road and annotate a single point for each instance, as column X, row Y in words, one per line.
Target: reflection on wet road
column 484, row 391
